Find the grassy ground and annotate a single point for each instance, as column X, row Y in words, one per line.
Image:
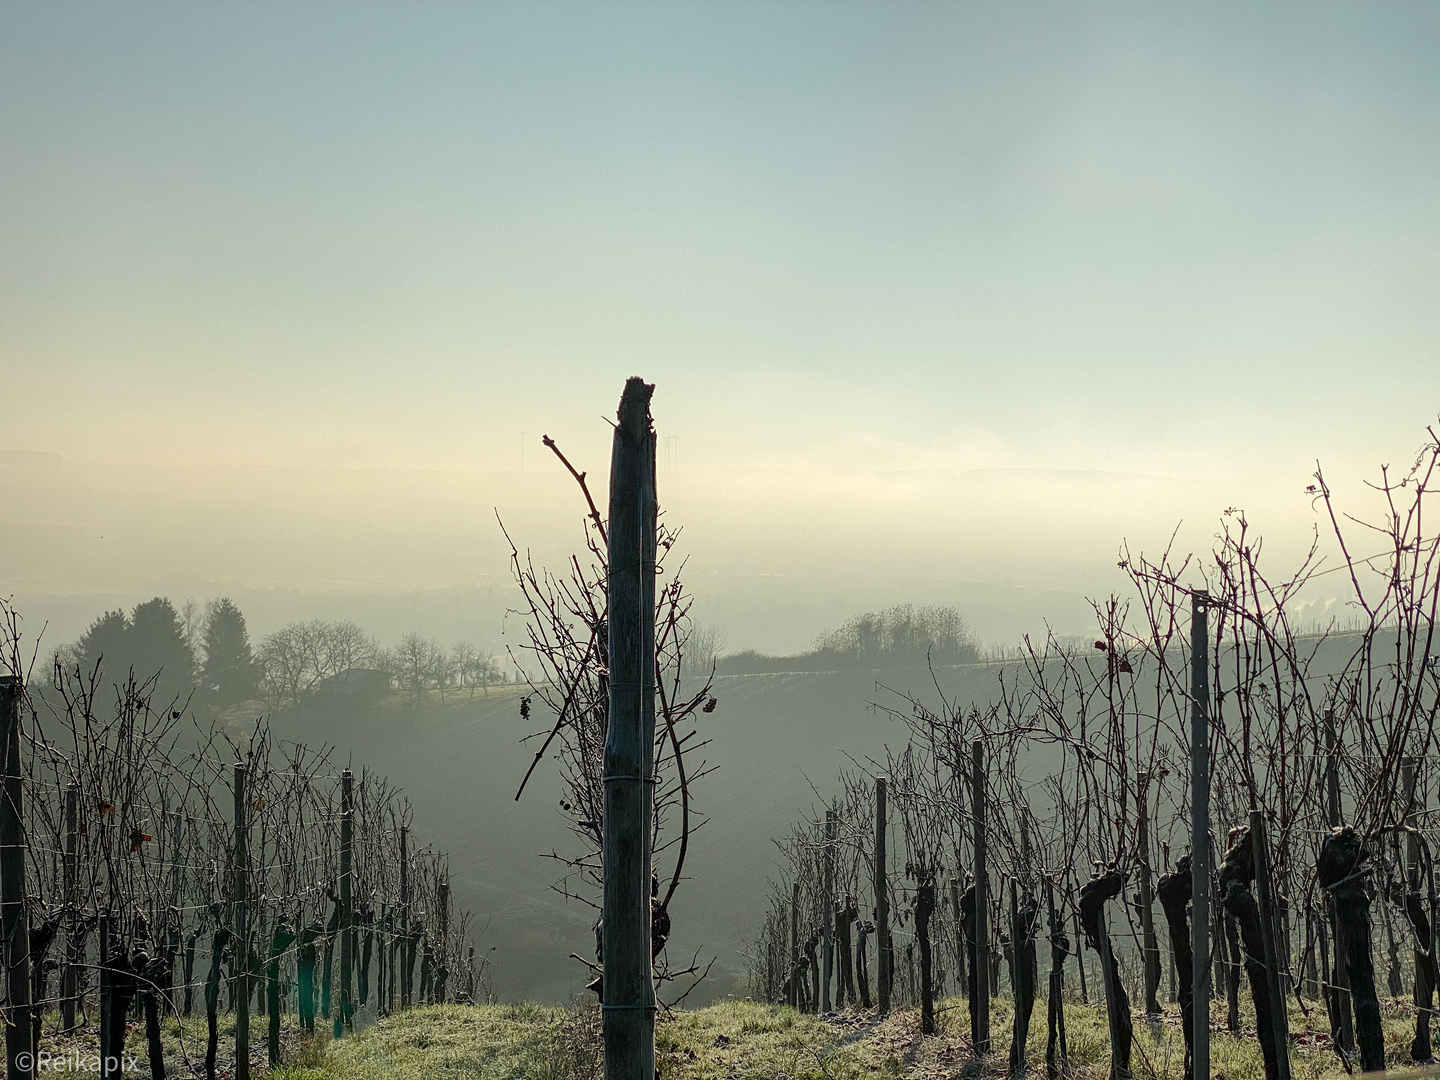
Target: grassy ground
column 733, row 1040
column 743, row 1040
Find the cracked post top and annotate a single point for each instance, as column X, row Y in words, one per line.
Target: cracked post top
column 634, row 412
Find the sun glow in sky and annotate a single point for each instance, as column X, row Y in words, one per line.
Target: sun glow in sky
column 931, row 292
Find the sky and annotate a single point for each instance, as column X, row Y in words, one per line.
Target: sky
column 943, row 301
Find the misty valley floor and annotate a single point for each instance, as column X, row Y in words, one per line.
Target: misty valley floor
column 744, row 1040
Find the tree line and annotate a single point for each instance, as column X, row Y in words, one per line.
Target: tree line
column 204, row 655
column 898, row 637
column 153, row 865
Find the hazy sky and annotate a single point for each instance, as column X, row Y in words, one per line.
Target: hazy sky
column 285, row 284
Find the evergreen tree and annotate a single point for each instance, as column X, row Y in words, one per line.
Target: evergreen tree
column 105, row 644
column 157, row 647
column 230, row 672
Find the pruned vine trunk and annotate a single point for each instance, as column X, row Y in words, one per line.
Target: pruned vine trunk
column 1236, row 872
column 1174, row 893
column 280, row 941
column 1421, row 1048
column 1117, row 1002
column 862, row 963
column 1057, row 1052
column 1022, row 976
column 1342, row 870
column 219, row 942
column 924, row 909
column 1231, row 951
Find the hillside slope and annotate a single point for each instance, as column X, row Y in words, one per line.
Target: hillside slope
column 771, row 737
column 461, row 761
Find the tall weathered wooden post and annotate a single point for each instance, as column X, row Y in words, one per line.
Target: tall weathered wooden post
column 882, row 903
column 240, row 907
column 980, row 1006
column 1200, row 830
column 14, row 922
column 343, row 1017
column 628, row 1008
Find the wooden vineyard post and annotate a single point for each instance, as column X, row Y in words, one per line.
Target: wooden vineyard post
column 795, row 946
column 1342, row 1016
column 442, row 917
column 1421, row 1048
column 628, row 1008
column 962, row 988
column 1150, row 945
column 381, row 971
column 980, row 1007
column 882, row 903
column 828, row 914
column 240, row 904
column 1080, row 961
column 107, row 1068
column 957, row 891
column 343, row 1017
column 177, row 911
column 1265, row 899
column 14, row 922
column 70, row 973
column 403, row 922
column 1200, row 831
